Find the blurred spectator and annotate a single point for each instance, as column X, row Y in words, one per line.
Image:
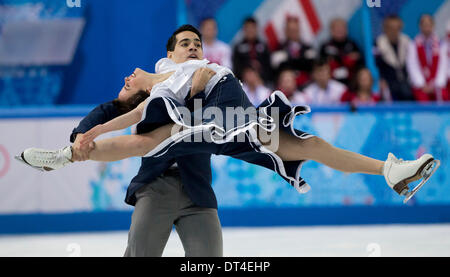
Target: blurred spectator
column 254, row 86
column 427, row 64
column 286, row 82
column 323, row 90
column 362, row 93
column 391, row 52
column 448, row 56
column 214, row 50
column 343, row 54
column 294, row 53
column 253, row 52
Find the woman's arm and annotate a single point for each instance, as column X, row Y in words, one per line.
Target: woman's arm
column 118, row 123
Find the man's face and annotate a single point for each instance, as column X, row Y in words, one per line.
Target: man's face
column 293, row 30
column 393, row 28
column 250, row 31
column 339, row 30
column 209, row 29
column 132, row 84
column 188, row 47
column 427, row 26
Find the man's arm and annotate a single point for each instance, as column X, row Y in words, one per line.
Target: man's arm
column 118, row 123
column 99, row 115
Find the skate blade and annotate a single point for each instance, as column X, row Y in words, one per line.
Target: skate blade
column 429, row 170
column 19, row 158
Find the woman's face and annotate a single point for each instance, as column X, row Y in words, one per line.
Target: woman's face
column 287, row 82
column 250, row 77
column 365, row 79
column 132, row 84
column 322, row 75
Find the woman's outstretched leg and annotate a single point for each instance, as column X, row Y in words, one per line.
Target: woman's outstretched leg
column 291, row 148
column 398, row 173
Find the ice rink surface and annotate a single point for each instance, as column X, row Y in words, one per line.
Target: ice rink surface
column 345, row 241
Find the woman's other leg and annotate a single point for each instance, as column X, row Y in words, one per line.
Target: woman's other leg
column 291, row 148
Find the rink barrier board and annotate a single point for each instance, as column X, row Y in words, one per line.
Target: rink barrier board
column 255, row 217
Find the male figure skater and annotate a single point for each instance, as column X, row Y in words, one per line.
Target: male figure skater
column 164, row 192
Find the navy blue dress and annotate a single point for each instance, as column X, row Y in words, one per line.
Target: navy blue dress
column 227, row 127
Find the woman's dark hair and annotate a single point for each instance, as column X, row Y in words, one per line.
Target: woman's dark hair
column 131, row 103
column 354, row 82
column 170, row 46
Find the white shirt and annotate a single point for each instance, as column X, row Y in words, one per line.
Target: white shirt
column 258, row 95
column 415, row 70
column 179, row 84
column 315, row 95
column 447, row 45
column 218, row 52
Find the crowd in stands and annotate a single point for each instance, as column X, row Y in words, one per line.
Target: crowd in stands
column 416, row 69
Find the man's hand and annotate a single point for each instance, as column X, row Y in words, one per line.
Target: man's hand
column 89, row 136
column 81, row 152
column 200, row 79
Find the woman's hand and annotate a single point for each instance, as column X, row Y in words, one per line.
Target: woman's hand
column 81, row 152
column 90, row 135
column 200, row 79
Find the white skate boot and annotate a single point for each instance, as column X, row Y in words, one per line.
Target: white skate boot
column 46, row 160
column 399, row 173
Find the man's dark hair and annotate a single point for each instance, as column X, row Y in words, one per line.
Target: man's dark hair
column 393, row 17
column 318, row 63
column 208, row 18
column 170, row 46
column 426, row 15
column 250, row 19
column 131, row 103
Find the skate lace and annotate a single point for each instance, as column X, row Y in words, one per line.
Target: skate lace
column 401, row 161
column 49, row 157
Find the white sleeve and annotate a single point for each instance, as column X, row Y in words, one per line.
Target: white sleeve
column 441, row 77
column 227, row 57
column 183, row 74
column 177, row 80
column 413, row 66
column 307, row 95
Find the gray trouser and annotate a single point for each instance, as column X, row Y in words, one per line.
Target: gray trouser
column 159, row 206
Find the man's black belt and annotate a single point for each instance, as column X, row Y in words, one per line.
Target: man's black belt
column 171, row 172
